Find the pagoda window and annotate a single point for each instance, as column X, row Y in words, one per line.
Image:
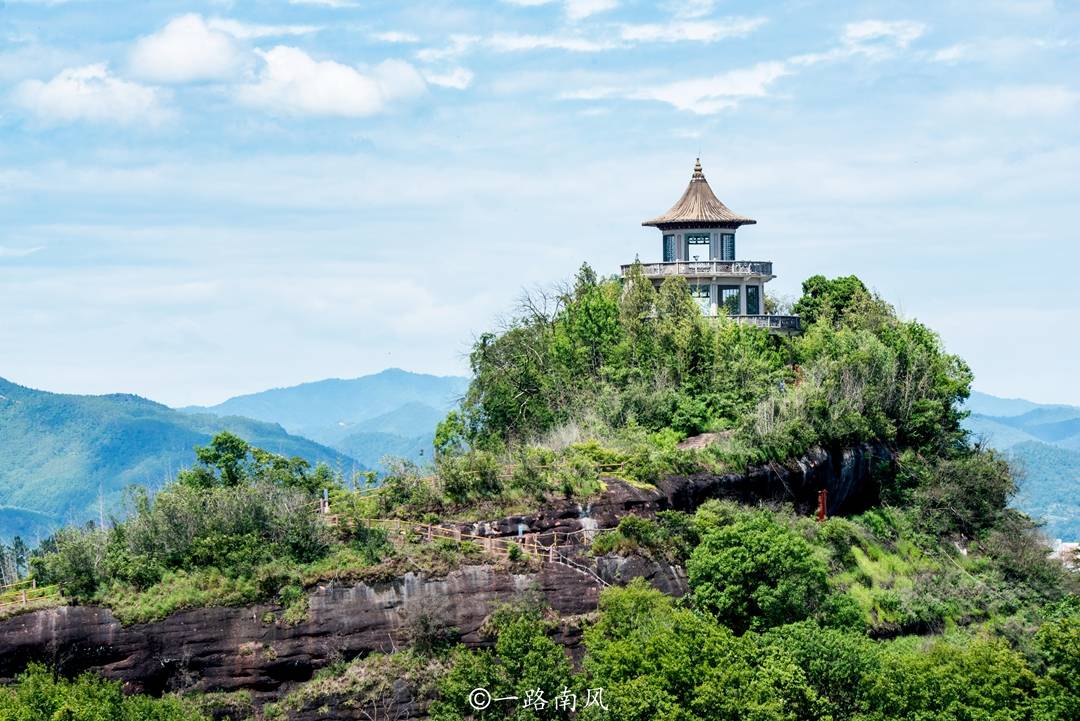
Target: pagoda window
column 727, row 246
column 669, row 248
column 698, row 246
column 753, row 300
column 728, row 298
column 703, row 296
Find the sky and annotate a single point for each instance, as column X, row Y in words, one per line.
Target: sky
column 204, row 199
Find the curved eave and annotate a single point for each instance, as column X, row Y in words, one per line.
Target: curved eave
column 663, row 224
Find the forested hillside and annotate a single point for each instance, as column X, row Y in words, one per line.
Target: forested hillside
column 402, row 407
column 68, row 459
column 931, row 599
column 1043, row 443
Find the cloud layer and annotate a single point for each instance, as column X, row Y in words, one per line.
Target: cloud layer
column 291, row 81
column 93, row 94
column 188, row 50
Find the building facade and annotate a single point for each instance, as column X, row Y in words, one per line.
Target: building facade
column 698, row 243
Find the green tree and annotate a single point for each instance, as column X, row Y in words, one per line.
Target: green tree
column 524, row 660
column 656, row 661
column 755, row 573
column 951, row 681
column 828, row 300
column 1058, row 642
column 227, row 454
column 38, row 694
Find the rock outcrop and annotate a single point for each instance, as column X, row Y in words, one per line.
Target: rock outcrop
column 848, row 475
column 227, row 649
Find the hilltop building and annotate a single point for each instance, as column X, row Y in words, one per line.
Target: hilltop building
column 698, row 243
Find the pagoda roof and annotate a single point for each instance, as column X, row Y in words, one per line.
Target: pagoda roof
column 699, row 206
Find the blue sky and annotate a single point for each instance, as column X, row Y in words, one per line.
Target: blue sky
column 204, row 199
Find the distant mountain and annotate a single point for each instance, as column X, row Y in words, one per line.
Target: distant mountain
column 393, row 412
column 314, row 409
column 375, row 447
column 995, row 433
column 1043, row 443
column 407, row 432
column 988, row 405
column 404, row 421
column 61, row 454
column 1049, row 479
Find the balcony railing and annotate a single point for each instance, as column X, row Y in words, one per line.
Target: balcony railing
column 785, row 323
column 699, row 268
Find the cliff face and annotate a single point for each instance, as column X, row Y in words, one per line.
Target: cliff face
column 228, row 649
column 848, row 476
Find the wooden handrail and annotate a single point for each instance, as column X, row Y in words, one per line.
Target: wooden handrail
column 37, row 593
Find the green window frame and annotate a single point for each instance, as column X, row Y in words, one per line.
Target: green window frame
column 753, row 300
column 669, row 248
column 727, row 246
column 702, row 295
column 728, row 298
column 698, row 239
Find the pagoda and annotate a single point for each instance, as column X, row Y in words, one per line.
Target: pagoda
column 698, row 243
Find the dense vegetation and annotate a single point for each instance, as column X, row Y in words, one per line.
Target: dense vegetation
column 606, row 376
column 1042, row 443
column 240, row 526
column 38, row 694
column 937, row 603
column 817, row 634
column 67, row 458
column 1048, row 481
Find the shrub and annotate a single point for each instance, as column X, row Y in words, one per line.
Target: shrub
column 950, row 679
column 474, row 474
column 425, row 624
column 38, row 694
column 755, row 574
column 964, row 493
column 75, row 559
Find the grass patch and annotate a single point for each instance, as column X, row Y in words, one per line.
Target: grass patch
column 369, row 683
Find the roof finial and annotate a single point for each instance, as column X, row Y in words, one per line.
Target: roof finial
column 698, row 175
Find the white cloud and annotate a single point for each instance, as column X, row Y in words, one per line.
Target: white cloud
column 90, row 93
column 708, row 95
column 712, row 94
column 724, row 91
column 326, row 3
column 188, row 49
column 511, row 43
column 869, row 36
column 394, row 36
column 690, row 9
column 458, row 46
column 697, row 30
column 626, row 36
column 293, row 82
column 574, row 9
column 581, row 9
column 951, row 54
column 458, row 78
column 7, row 251
column 255, row 31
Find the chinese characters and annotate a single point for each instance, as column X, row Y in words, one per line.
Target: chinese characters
column 565, row 700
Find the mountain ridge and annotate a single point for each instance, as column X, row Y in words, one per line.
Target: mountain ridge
column 390, row 413
column 1042, row 442
column 69, row 457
